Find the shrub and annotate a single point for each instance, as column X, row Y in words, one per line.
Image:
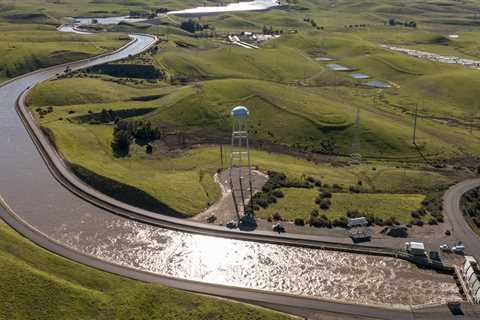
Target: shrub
column 340, row 222
column 432, row 221
column 419, row 223
column 299, row 222
column 415, row 215
column 262, row 203
column 336, row 187
column 320, row 222
column 379, row 221
column 278, row 193
column 325, row 204
column 311, row 179
column 271, row 199
column 353, row 213
column 389, row 222
column 325, row 194
column 276, row 216
column 354, row 189
column 426, row 202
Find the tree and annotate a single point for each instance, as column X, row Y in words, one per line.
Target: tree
column 192, row 26
column 121, row 143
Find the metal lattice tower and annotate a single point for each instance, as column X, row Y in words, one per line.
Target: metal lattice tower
column 240, row 172
column 355, row 155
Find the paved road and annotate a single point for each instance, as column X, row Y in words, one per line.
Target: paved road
column 460, row 228
column 41, row 208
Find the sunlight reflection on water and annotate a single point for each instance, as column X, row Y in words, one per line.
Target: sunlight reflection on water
column 318, row 273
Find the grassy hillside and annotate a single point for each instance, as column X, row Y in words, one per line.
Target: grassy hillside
column 35, row 284
column 27, row 47
column 296, row 101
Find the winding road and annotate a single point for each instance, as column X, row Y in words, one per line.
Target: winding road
column 35, row 201
column 460, row 228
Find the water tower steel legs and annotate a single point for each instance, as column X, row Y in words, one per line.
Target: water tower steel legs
column 239, row 158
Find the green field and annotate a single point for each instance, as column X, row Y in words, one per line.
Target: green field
column 35, row 284
column 299, row 203
column 295, row 101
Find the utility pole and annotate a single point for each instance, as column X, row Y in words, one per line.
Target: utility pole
column 355, row 156
column 415, row 125
column 221, row 155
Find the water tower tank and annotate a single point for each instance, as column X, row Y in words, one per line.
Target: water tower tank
column 240, row 112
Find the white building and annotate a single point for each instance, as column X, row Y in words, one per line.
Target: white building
column 357, row 222
column 415, row 248
column 471, row 274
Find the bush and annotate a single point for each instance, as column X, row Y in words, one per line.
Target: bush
column 311, row 179
column 353, row 213
column 299, row 221
column 276, row 216
column 325, row 204
column 415, row 215
column 320, row 222
column 325, row 194
column 379, row 221
column 262, row 203
column 341, row 222
column 419, row 223
column 432, row 221
column 354, row 189
column 271, row 199
column 278, row 193
column 389, row 222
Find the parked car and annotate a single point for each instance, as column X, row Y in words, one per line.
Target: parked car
column 232, row 224
column 459, row 248
column 444, row 247
column 278, row 227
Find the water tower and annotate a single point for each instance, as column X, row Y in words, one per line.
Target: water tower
column 240, row 172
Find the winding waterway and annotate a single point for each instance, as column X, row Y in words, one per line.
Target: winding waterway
column 28, row 187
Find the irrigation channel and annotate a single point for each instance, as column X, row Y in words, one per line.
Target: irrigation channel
column 41, row 202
